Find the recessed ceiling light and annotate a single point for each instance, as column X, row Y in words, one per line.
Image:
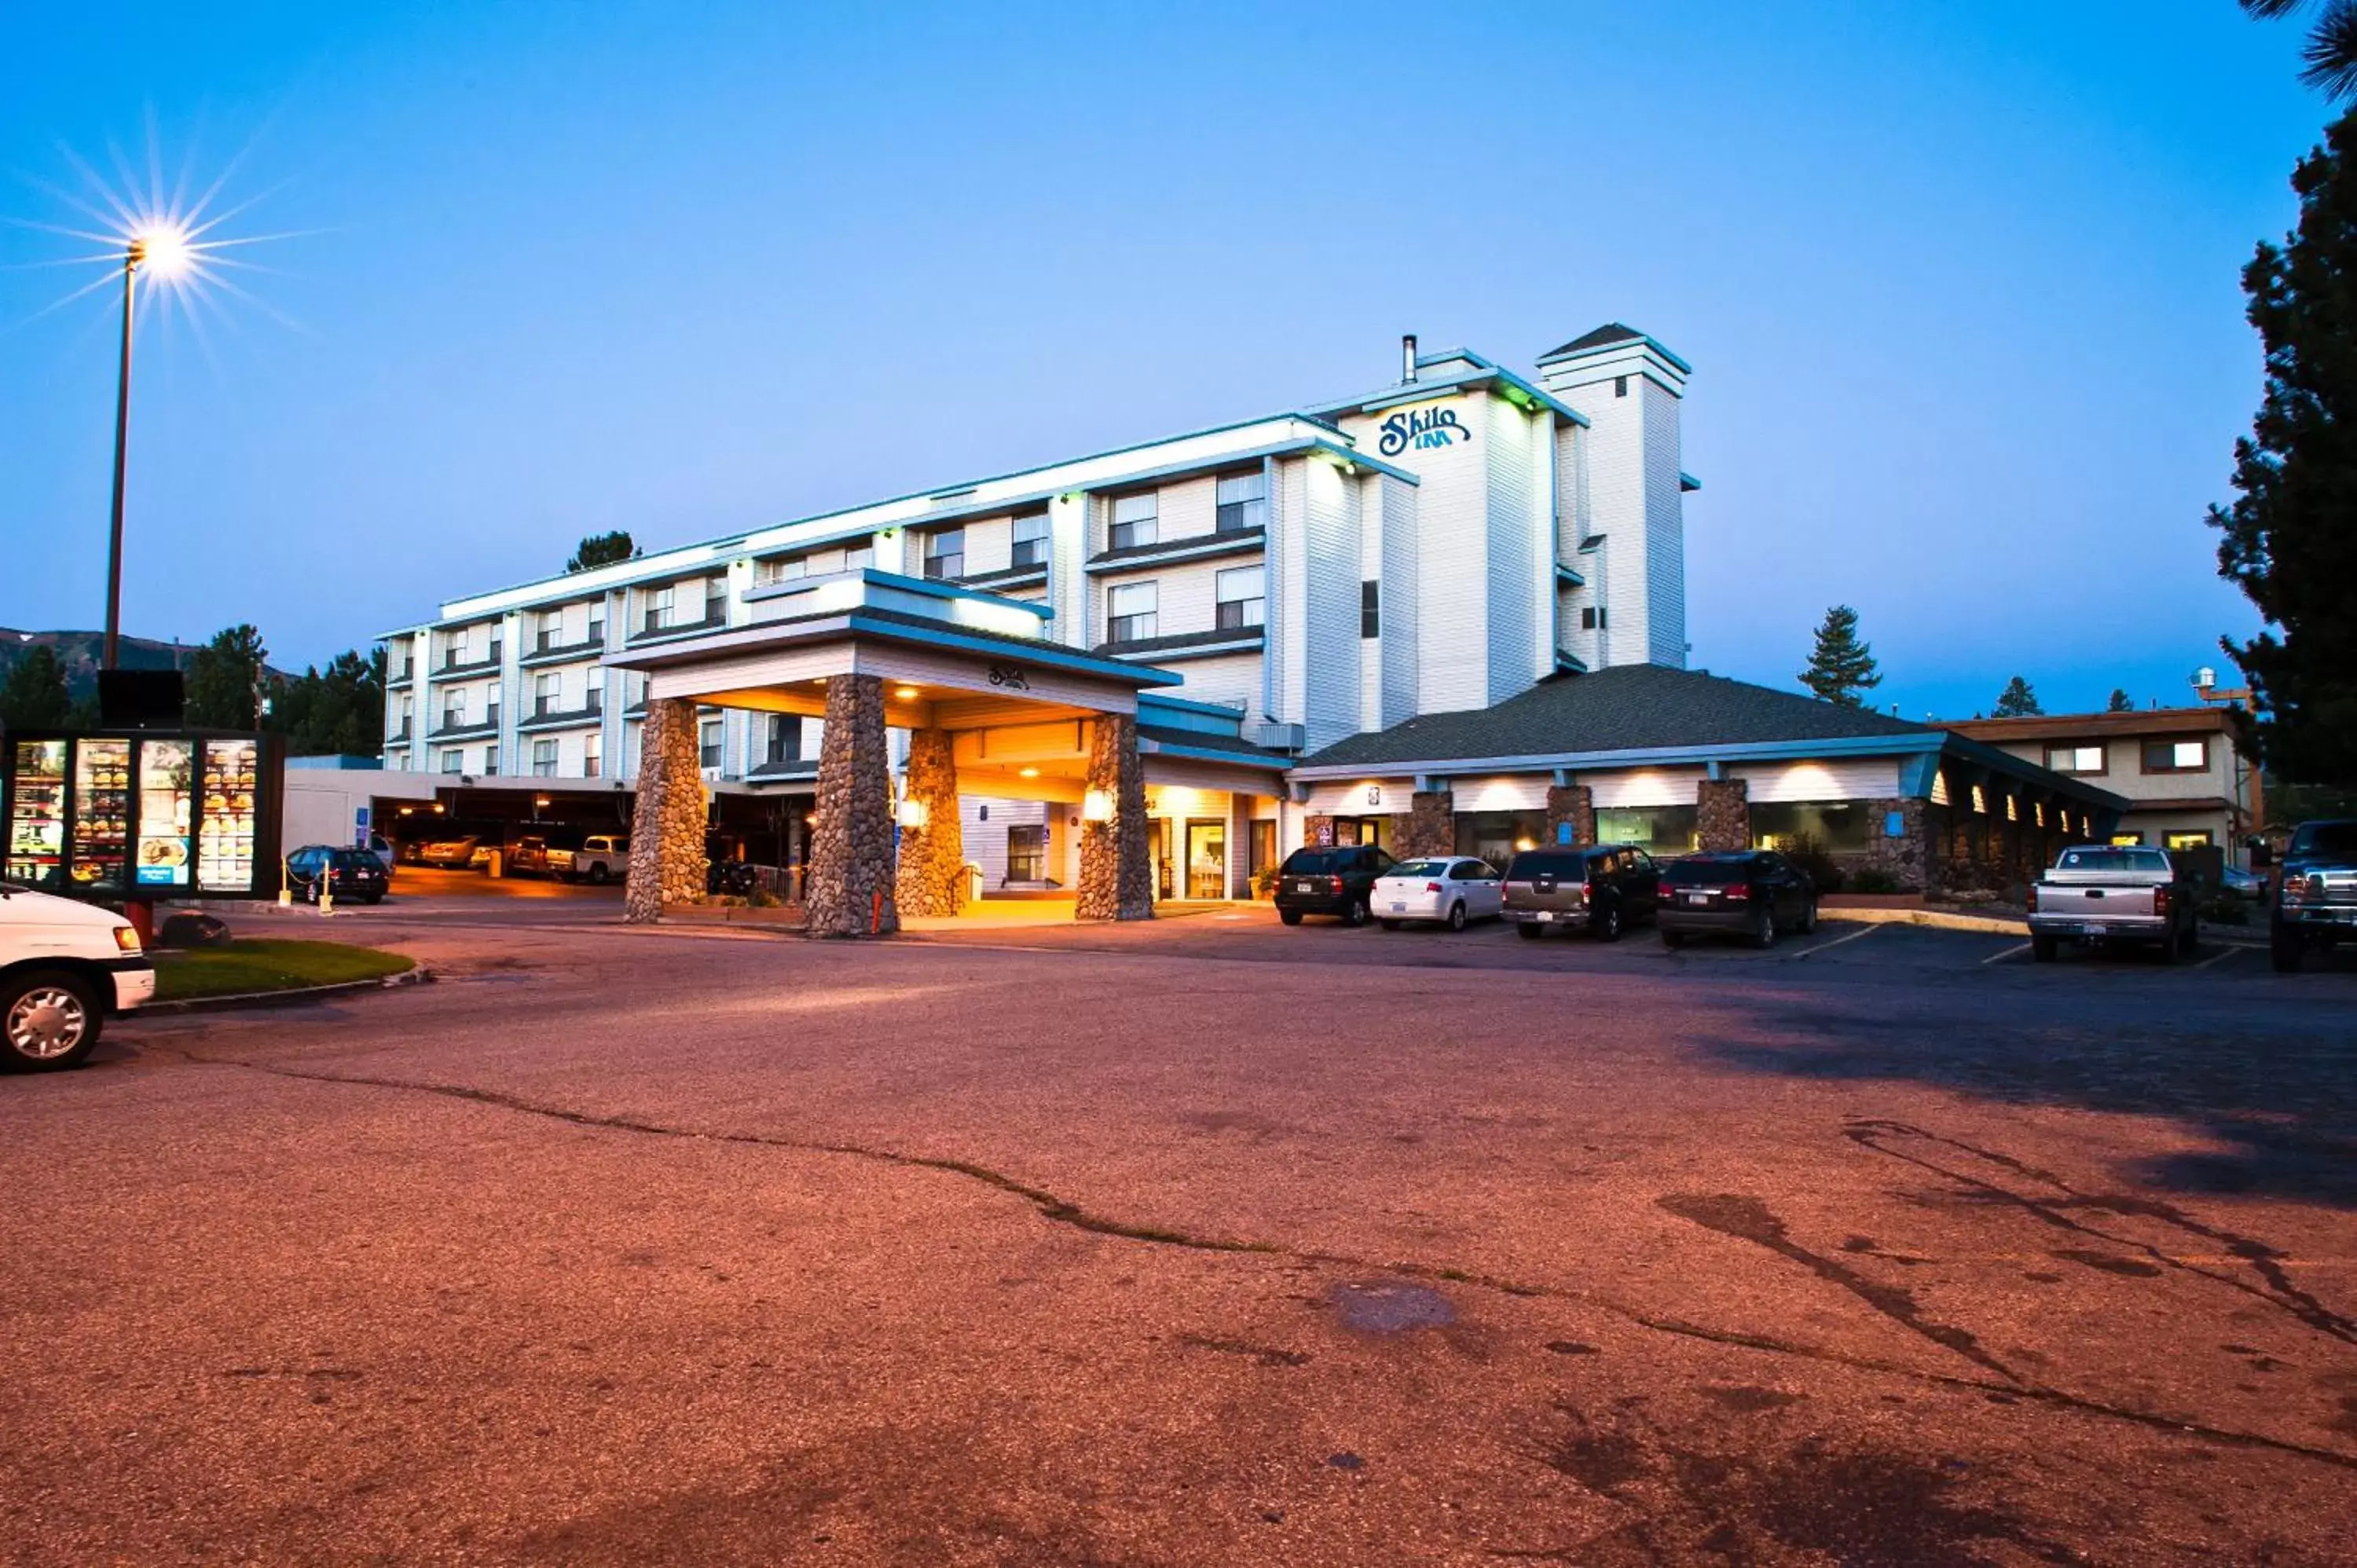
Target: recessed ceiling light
column 906, row 694
column 1029, row 772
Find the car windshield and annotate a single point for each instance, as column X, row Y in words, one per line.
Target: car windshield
column 1707, row 873
column 1570, row 864
column 1419, row 869
column 2112, row 859
column 2337, row 840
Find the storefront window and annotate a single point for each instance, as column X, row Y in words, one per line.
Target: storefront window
column 1494, row 836
column 1663, row 829
column 1836, row 825
column 1026, row 852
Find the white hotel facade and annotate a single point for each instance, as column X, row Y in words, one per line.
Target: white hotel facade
column 1440, row 543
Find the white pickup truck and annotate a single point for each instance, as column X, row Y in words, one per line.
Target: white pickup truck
column 602, row 858
column 64, row 968
column 2112, row 893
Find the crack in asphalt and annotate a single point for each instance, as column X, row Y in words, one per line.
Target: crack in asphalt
column 1064, row 1211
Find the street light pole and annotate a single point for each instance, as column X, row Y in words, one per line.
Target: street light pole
column 132, row 257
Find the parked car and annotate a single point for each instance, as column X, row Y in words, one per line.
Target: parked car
column 2246, row 885
column 1329, row 879
column 352, row 873
column 65, row 968
column 528, row 857
column 2112, row 893
column 602, row 858
column 450, row 853
column 1754, row 894
column 1452, row 889
column 2315, row 893
column 1601, row 889
column 382, row 848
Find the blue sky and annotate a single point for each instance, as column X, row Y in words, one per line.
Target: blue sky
column 1959, row 285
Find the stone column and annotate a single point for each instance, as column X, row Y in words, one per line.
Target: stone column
column 1431, row 825
column 851, row 890
column 932, row 858
column 1116, row 880
column 1723, row 815
column 667, row 823
column 1575, row 804
column 1912, row 858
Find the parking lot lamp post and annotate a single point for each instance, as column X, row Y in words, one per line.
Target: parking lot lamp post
column 164, row 252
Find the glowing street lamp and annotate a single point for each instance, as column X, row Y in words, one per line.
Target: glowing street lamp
column 165, row 249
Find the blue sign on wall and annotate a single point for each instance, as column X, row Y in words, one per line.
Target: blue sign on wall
column 1433, row 427
column 1894, row 824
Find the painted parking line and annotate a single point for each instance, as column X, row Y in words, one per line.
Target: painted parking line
column 1847, row 937
column 2221, row 956
column 2014, row 951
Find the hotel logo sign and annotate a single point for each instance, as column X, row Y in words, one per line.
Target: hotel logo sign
column 1432, row 427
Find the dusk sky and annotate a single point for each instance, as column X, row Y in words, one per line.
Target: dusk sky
column 1959, row 285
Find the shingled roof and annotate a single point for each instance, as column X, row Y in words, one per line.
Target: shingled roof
column 1626, row 707
column 1610, row 332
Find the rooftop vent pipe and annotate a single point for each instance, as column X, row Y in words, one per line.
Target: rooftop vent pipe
column 1407, row 358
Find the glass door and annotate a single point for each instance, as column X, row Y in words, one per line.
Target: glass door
column 36, row 816
column 1207, row 859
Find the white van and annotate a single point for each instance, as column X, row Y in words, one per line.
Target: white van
column 64, row 968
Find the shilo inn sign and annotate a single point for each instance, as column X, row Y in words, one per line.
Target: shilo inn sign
column 1432, row 427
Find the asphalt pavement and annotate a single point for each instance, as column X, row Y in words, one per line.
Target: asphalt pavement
column 1205, row 1241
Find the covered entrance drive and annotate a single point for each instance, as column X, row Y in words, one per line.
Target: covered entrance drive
column 990, row 708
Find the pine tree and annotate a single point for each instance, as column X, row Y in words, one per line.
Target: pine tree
column 33, row 694
column 2289, row 542
column 2121, row 702
column 2017, row 702
column 222, row 677
column 2329, row 57
column 603, row 550
column 1842, row 668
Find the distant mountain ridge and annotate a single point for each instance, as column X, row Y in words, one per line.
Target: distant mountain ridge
column 82, row 651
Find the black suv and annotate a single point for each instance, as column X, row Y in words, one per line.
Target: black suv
column 1601, row 888
column 350, row 873
column 2315, row 893
column 1753, row 894
column 1329, row 879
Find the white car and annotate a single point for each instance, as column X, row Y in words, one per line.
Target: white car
column 1452, row 891
column 64, row 968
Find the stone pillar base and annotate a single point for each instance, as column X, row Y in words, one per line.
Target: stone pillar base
column 851, row 880
column 1572, row 805
column 1116, row 873
column 932, row 858
column 668, row 821
column 1723, row 815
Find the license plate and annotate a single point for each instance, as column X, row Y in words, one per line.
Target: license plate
column 2099, row 931
column 1397, row 907
column 1546, row 915
column 1305, row 888
column 1697, row 898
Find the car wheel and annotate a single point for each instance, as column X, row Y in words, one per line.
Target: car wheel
column 1290, row 917
column 2044, row 949
column 1808, row 918
column 2285, row 949
column 46, row 1022
column 1763, row 934
column 1354, row 913
column 1674, row 938
column 1605, row 924
column 599, row 876
column 1457, row 916
column 1391, row 925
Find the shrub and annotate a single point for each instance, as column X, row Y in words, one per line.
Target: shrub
column 1809, row 854
column 1873, row 879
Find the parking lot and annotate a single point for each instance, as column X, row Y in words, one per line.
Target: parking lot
column 1202, row 1242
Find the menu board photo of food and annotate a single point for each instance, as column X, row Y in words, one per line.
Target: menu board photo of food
column 36, row 815
column 102, row 813
column 166, row 776
column 226, row 816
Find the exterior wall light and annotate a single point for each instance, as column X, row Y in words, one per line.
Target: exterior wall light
column 913, row 813
column 1096, row 806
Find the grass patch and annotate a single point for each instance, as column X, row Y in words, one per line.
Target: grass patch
column 268, row 964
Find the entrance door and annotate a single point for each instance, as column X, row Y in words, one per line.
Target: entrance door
column 1157, row 854
column 1207, row 859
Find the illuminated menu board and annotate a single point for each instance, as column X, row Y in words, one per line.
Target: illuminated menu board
column 101, row 814
column 160, row 857
column 36, row 815
column 225, row 822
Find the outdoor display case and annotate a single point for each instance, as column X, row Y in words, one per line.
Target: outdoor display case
column 144, row 814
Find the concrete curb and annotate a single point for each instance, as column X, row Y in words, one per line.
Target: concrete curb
column 1937, row 919
column 290, row 998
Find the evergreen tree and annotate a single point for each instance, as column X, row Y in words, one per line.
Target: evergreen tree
column 2017, row 702
column 2121, row 702
column 2329, row 56
column 222, row 677
column 1842, row 669
column 2289, row 542
column 33, row 694
column 603, row 550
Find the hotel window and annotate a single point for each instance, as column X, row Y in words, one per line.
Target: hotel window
column 661, row 604
column 859, row 559
column 2075, row 758
column 1371, row 610
column 454, row 710
column 1242, row 598
column 785, row 740
column 597, row 638
column 593, row 755
column 543, row 760
column 1132, row 521
column 491, row 708
column 707, row 750
column 780, row 569
column 1592, row 617
column 544, row 695
column 453, row 760
column 945, row 553
column 1243, row 501
column 2186, row 839
column 715, row 599
column 634, row 689
column 1130, row 609
column 593, row 688
column 1026, row 852
column 2176, row 755
column 490, row 761
column 552, row 631
column 1031, row 540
